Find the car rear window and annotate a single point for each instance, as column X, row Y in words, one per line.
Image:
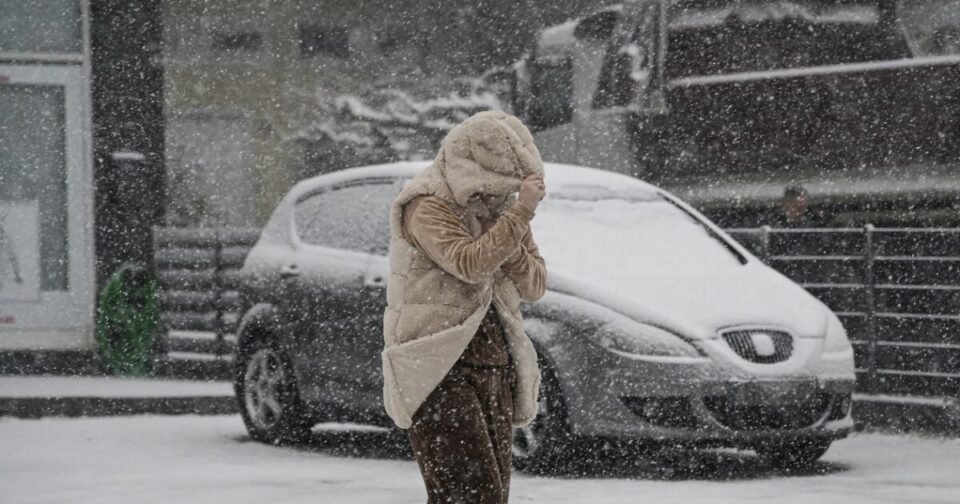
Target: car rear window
column 353, row 216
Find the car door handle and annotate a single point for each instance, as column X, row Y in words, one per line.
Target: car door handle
column 289, row 271
column 374, row 281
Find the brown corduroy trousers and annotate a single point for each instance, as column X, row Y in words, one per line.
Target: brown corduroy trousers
column 462, row 435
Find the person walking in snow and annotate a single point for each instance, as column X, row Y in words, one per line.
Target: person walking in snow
column 459, row 371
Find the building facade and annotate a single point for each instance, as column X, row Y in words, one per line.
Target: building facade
column 80, row 101
column 46, row 193
column 260, row 94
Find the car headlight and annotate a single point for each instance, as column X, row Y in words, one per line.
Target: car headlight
column 640, row 340
column 836, row 341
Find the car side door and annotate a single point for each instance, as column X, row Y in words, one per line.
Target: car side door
column 337, row 229
column 368, row 386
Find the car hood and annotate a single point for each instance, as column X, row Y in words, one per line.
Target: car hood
column 699, row 306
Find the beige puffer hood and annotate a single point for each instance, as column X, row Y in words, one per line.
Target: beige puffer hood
column 432, row 314
column 490, row 152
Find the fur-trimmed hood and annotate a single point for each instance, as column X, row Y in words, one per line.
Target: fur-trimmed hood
column 490, row 152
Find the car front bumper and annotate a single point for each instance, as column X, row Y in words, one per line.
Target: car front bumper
column 714, row 400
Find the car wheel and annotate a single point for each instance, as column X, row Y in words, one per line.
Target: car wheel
column 267, row 394
column 793, row 454
column 540, row 445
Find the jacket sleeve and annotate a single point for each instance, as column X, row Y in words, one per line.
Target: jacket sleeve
column 433, row 227
column 527, row 269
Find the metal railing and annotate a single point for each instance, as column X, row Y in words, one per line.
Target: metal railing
column 897, row 291
column 197, row 270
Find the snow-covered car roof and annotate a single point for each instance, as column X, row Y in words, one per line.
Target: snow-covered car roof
column 556, row 174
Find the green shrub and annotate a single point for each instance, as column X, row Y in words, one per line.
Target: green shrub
column 128, row 320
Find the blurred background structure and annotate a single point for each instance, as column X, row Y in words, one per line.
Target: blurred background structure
column 280, row 91
column 121, row 116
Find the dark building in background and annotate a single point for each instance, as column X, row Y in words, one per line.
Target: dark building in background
column 128, row 126
column 726, row 103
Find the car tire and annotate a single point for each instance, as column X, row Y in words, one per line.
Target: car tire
column 266, row 391
column 541, row 446
column 793, row 454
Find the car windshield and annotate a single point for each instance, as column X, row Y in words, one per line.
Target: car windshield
column 598, row 231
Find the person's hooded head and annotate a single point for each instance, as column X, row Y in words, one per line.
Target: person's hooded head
column 485, row 158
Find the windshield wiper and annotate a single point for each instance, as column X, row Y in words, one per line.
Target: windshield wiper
column 710, row 232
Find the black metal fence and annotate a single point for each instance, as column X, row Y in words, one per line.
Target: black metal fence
column 897, row 292
column 197, row 270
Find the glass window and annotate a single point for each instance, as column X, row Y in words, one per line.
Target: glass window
column 40, row 26
column 329, row 40
column 33, row 176
column 546, row 100
column 351, row 217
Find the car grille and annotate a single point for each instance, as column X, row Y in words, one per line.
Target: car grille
column 742, row 342
column 768, row 417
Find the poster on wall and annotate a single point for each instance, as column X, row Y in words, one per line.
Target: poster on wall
column 19, row 251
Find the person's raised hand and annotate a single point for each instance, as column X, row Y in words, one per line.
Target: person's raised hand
column 532, row 190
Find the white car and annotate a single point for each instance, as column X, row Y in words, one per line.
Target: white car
column 656, row 325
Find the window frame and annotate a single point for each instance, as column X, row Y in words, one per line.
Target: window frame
column 82, row 55
column 62, row 318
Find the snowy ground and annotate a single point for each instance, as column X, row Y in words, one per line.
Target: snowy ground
column 108, row 386
column 209, row 459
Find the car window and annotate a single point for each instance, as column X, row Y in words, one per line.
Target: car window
column 349, row 217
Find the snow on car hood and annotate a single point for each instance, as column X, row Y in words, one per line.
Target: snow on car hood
column 698, row 307
column 640, row 254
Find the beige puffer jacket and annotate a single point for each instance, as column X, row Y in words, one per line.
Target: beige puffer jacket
column 432, row 314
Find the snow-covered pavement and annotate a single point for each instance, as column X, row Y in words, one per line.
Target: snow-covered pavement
column 109, row 386
column 209, row 459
